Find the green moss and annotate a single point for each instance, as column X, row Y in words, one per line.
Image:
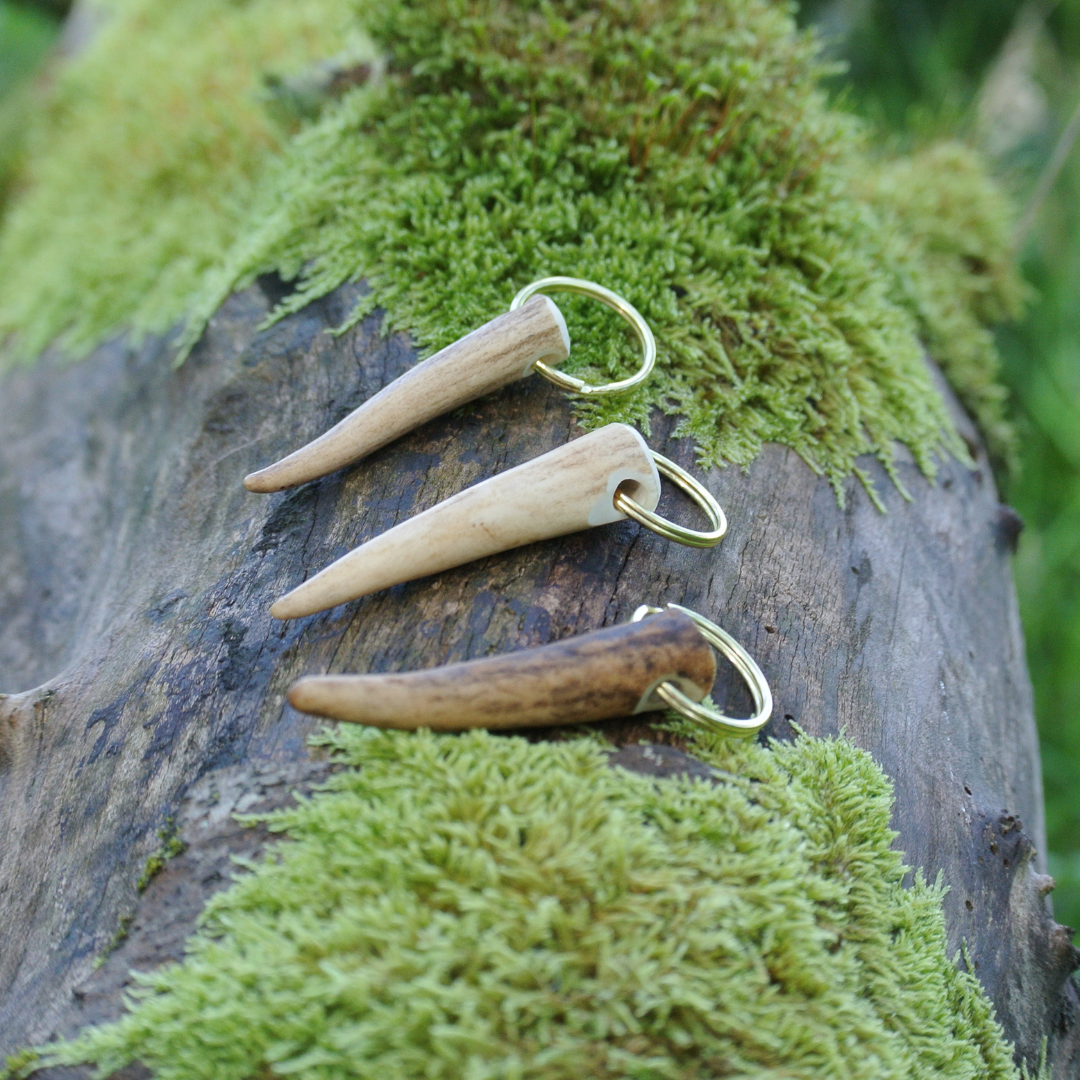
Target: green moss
column 122, row 930
column 171, row 846
column 480, row 906
column 951, row 234
column 17, row 1066
column 139, row 172
column 678, row 151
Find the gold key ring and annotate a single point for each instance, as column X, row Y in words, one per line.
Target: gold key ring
column 617, row 304
column 668, row 529
column 712, row 719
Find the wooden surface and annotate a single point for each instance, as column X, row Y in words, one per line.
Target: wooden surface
column 570, row 488
column 492, row 356
column 598, row 676
column 147, row 679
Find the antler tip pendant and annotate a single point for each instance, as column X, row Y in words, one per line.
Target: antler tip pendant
column 273, row 478
column 498, row 353
column 603, row 477
column 597, row 676
column 574, row 486
column 664, row 661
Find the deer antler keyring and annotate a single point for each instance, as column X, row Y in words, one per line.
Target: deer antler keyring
column 532, row 335
column 603, row 477
column 646, row 665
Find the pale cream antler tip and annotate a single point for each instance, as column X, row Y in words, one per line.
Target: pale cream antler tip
column 291, row 606
column 300, row 696
column 264, row 481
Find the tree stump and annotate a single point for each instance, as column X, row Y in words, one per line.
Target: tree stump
column 145, row 678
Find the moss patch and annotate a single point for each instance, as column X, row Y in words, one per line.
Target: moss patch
column 961, row 223
column 480, row 906
column 678, row 151
column 119, row 937
column 20, row 1064
column 171, row 846
column 140, row 170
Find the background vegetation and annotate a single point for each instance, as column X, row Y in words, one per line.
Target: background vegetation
column 26, row 36
column 1004, row 75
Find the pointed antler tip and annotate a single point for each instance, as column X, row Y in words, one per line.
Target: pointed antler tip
column 281, row 609
column 261, row 482
column 297, row 696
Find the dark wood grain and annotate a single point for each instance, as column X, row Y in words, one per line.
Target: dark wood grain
column 143, row 670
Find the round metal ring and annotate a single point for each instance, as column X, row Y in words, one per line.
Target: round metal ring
column 668, row 529
column 712, row 719
column 617, row 304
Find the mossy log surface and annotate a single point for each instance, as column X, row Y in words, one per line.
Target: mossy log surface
column 145, row 679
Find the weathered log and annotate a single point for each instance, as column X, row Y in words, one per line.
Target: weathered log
column 146, row 679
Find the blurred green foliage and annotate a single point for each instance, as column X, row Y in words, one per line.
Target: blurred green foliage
column 27, row 34
column 1005, row 75
column 910, row 60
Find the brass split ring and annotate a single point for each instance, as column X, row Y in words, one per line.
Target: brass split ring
column 617, row 304
column 668, row 529
column 711, row 719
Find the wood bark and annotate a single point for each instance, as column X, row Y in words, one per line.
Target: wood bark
column 145, row 679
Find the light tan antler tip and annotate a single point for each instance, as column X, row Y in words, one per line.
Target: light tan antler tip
column 283, row 609
column 299, row 697
column 261, row 482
